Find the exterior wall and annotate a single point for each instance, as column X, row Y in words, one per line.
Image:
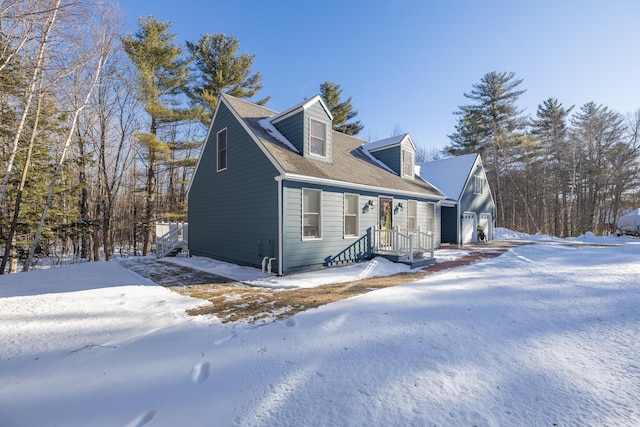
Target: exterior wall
column 333, row 248
column 296, row 129
column 316, row 112
column 470, row 202
column 292, row 128
column 233, row 213
column 391, row 157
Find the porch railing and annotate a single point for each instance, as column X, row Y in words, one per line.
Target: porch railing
column 176, row 236
column 406, row 243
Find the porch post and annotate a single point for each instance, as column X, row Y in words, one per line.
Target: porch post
column 411, row 237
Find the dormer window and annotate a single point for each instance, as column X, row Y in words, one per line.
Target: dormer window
column 317, row 138
column 407, row 164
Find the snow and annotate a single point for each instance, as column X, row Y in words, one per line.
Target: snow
column 631, row 219
column 271, row 129
column 449, row 175
column 545, row 334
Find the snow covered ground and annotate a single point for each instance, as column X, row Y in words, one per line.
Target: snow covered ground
column 546, row 334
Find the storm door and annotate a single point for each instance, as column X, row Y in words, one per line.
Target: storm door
column 386, row 220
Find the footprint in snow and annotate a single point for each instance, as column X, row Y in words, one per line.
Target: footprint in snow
column 290, row 323
column 225, row 339
column 141, row 419
column 200, row 372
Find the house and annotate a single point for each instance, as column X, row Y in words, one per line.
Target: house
column 284, row 192
column 469, row 203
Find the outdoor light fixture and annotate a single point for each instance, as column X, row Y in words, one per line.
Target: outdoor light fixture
column 371, row 203
column 399, row 206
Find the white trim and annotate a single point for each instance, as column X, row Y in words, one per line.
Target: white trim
column 390, row 142
column 344, row 216
column 319, row 190
column 271, row 129
column 280, row 225
column 411, row 172
column 301, row 106
column 253, row 136
column 325, row 141
column 478, row 179
column 226, row 150
column 409, row 202
column 378, row 162
column 354, row 186
column 204, row 145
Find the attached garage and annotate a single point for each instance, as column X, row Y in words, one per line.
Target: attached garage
column 469, row 203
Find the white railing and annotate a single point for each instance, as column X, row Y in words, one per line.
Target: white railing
column 406, row 244
column 177, row 235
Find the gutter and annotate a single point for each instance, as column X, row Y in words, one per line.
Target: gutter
column 372, row 188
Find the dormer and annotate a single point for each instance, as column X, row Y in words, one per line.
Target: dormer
column 308, row 126
column 397, row 153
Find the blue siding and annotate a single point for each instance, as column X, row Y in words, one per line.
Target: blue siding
column 470, row 202
column 292, row 128
column 391, row 157
column 333, row 248
column 317, row 112
column 233, row 213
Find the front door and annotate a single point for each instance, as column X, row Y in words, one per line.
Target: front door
column 386, row 221
column 386, row 213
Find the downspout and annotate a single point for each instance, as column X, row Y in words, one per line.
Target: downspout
column 279, row 179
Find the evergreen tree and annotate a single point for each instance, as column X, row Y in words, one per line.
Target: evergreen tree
column 219, row 68
column 341, row 111
column 597, row 136
column 493, row 126
column 492, row 117
column 162, row 76
column 551, row 163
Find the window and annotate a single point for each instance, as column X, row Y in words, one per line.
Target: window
column 311, row 214
column 222, row 149
column 431, row 217
column 478, row 185
column 317, row 138
column 412, row 215
column 407, row 163
column 351, row 215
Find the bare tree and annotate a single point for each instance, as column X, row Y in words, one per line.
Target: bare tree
column 83, row 67
column 50, row 11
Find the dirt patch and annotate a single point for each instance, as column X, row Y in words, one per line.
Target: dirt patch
column 237, row 302
column 233, row 301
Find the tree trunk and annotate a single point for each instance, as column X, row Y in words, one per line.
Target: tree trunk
column 30, row 93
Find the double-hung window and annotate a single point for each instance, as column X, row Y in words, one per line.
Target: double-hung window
column 221, row 142
column 317, row 138
column 407, row 163
column 311, row 214
column 351, row 215
column 412, row 215
column 431, row 217
column 478, row 185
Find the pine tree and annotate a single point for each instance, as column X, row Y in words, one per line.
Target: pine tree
column 492, row 126
column 162, row 76
column 219, row 68
column 552, row 161
column 341, row 111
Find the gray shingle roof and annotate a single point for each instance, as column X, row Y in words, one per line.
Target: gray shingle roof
column 350, row 164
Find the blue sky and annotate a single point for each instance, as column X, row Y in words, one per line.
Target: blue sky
column 407, row 63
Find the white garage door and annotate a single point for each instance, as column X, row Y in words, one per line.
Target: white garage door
column 486, row 224
column 469, row 222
